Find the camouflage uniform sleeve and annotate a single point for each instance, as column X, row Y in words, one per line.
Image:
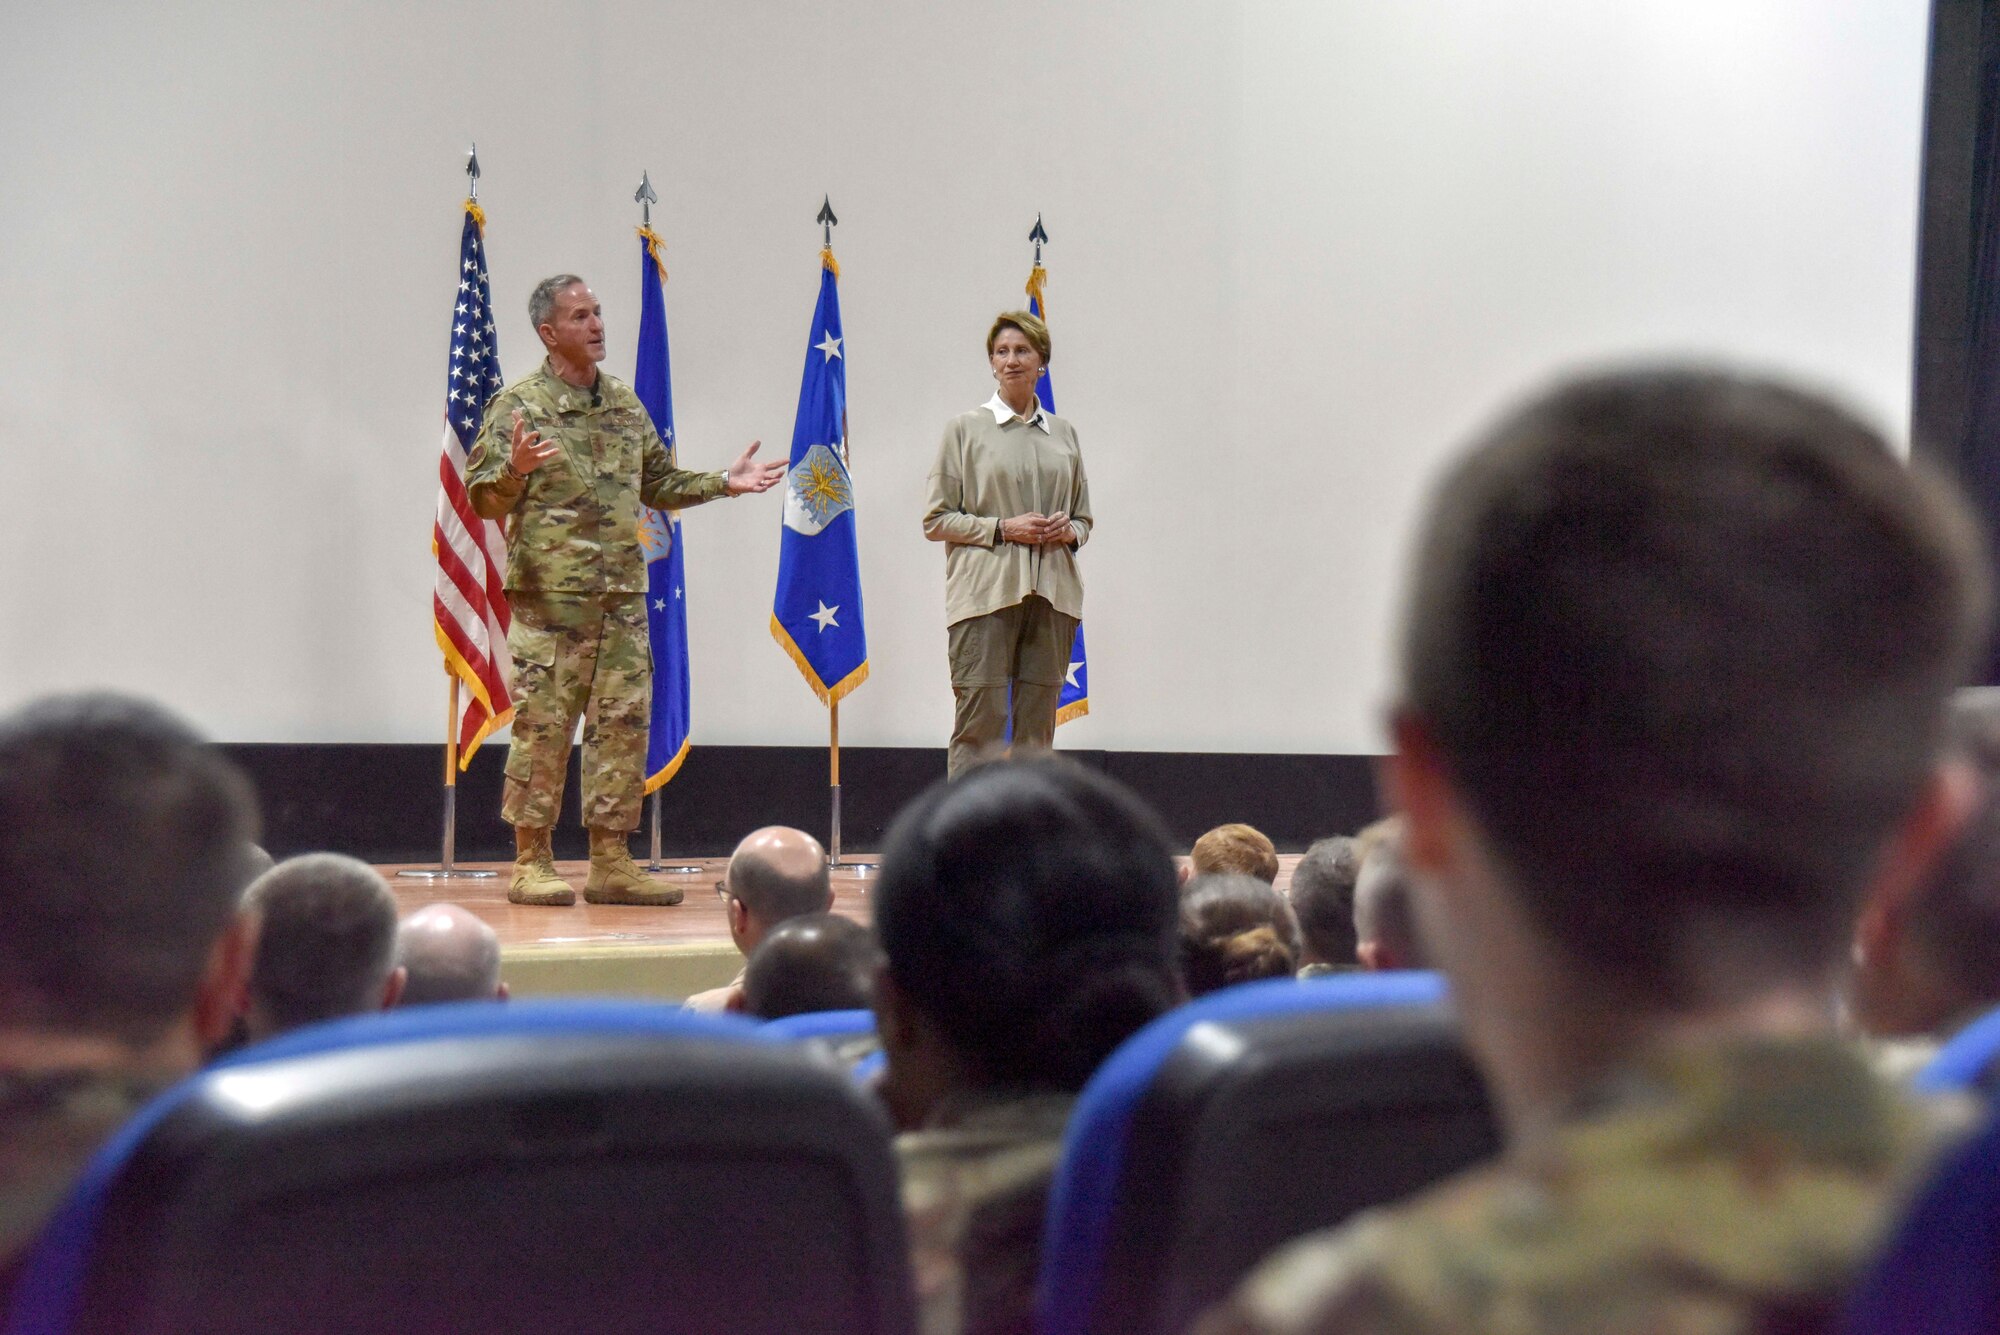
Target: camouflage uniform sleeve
column 493, row 487
column 665, row 487
column 1322, row 1285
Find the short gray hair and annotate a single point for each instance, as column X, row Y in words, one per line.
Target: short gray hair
column 542, row 301
column 328, row 941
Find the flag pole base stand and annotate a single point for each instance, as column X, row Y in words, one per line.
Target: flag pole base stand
column 834, row 861
column 653, row 863
column 448, row 851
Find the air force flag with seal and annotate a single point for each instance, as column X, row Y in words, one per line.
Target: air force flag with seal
column 816, row 617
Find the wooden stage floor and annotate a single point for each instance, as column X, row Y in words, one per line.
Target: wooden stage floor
column 602, row 949
column 593, row 949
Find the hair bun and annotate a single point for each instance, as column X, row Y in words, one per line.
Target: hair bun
column 1257, row 953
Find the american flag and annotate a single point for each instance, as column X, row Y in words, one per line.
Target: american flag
column 469, row 608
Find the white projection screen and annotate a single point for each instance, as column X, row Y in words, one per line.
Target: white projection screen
column 1299, row 250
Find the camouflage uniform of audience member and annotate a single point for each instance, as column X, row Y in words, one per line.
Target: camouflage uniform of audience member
column 1733, row 1187
column 576, row 582
column 975, row 1191
column 56, row 1121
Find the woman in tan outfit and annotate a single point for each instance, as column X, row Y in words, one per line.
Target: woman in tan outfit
column 1009, row 499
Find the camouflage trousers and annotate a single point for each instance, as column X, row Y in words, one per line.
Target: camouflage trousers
column 579, row 656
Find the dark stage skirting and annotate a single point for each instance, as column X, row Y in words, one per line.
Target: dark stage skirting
column 383, row 803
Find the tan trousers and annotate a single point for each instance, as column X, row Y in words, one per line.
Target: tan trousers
column 1020, row 651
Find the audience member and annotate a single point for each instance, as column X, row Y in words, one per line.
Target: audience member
column 1322, row 898
column 775, row 873
column 1385, row 927
column 122, row 857
column 814, row 962
column 1928, row 962
column 447, row 954
column 1235, row 929
column 326, row 945
column 1239, row 849
column 1026, row 912
column 1673, row 680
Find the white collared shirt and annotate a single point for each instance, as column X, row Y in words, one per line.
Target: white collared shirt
column 1002, row 414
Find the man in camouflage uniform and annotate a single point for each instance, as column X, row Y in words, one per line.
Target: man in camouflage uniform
column 1675, row 666
column 569, row 457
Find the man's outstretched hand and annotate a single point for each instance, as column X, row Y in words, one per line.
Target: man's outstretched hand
column 746, row 474
column 528, row 450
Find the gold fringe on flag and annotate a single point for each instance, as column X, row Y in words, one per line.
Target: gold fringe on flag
column 656, row 248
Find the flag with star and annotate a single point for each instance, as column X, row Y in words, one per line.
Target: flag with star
column 816, row 616
column 1074, row 702
column 469, row 603
column 661, row 534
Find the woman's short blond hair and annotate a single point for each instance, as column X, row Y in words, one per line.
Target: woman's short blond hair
column 1031, row 329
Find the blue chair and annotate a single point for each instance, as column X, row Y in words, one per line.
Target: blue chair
column 1243, row 1119
column 533, row 1167
column 1940, row 1274
column 822, row 1024
column 1970, row 1061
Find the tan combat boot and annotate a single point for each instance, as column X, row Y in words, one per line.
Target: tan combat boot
column 616, row 879
column 535, row 880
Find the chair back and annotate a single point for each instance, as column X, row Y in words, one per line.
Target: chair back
column 526, row 1168
column 1969, row 1061
column 822, row 1024
column 1247, row 1118
column 1940, row 1273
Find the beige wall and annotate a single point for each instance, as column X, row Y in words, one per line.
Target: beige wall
column 1299, row 247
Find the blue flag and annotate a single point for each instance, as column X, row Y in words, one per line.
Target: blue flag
column 1074, row 702
column 660, row 535
column 816, row 616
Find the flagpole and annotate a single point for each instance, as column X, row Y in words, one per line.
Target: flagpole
column 833, row 779
column 448, row 851
column 446, row 870
column 833, row 858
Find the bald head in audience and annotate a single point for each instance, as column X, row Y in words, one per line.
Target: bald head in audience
column 327, row 946
column 775, row 873
column 447, row 954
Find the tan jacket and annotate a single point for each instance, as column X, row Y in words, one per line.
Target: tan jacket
column 990, row 469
